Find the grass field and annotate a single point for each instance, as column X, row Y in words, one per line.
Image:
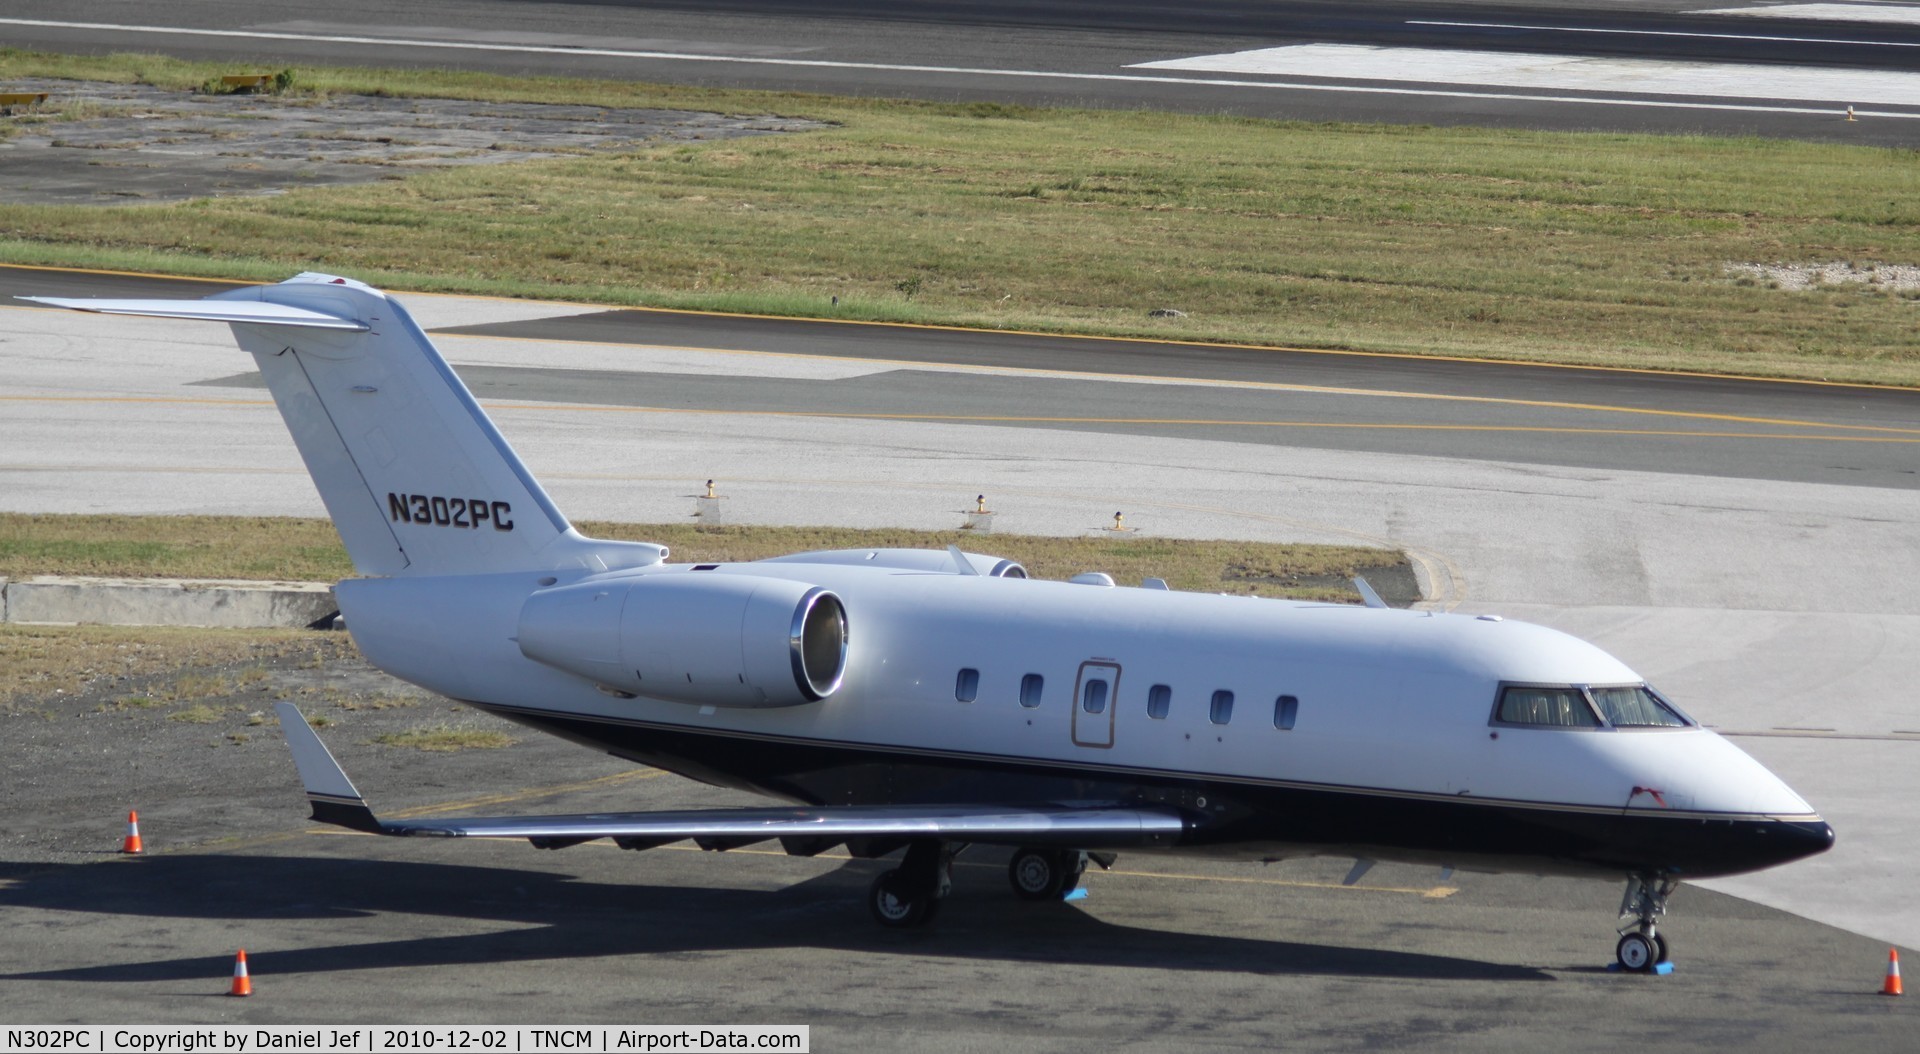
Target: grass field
column 309, row 550
column 1577, row 248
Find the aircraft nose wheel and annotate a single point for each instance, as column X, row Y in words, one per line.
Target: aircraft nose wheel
column 1045, row 874
column 1641, row 947
column 1637, row 952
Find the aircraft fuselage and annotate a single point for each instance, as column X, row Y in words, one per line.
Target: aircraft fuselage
column 969, row 689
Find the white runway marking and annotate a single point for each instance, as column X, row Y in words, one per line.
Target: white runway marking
column 1825, row 12
column 1563, row 73
column 1047, row 75
column 1669, row 33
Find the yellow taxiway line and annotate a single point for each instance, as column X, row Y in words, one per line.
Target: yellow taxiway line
column 1898, row 435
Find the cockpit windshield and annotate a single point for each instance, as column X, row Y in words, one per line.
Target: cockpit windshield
column 1559, row 707
column 1635, row 707
column 1584, row 706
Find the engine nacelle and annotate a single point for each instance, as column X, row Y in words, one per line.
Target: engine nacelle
column 693, row 637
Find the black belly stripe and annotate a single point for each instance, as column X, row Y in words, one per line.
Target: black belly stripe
column 1240, row 817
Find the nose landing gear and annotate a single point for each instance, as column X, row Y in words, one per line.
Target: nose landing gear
column 1641, row 948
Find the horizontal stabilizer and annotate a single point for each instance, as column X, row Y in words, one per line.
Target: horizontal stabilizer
column 255, row 311
column 417, row 479
column 1099, row 826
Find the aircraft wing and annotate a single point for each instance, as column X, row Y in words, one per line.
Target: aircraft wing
column 802, row 829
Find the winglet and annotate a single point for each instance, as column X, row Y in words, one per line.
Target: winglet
column 960, row 561
column 1367, row 594
column 329, row 790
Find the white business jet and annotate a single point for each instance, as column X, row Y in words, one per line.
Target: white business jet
column 926, row 701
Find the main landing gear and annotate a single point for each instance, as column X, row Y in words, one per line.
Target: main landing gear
column 1045, row 874
column 1641, row 948
column 910, row 895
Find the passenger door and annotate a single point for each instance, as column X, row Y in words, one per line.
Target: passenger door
column 1095, row 693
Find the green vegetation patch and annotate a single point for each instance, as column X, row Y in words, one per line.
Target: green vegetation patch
column 257, row 548
column 1577, row 248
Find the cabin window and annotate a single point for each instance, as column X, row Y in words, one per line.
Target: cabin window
column 1220, row 710
column 1030, row 686
column 1636, row 707
column 1558, row 707
column 966, row 687
column 1159, row 700
column 1285, row 710
column 1093, row 697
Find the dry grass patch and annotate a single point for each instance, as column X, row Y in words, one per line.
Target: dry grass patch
column 168, row 546
column 446, row 739
column 1262, row 568
column 199, row 686
column 46, row 662
column 198, row 714
column 374, row 701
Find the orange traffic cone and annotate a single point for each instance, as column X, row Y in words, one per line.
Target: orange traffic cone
column 242, row 984
column 1892, row 987
column 132, row 844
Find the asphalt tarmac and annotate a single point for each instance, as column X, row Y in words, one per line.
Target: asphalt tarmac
column 1077, row 53
column 1165, row 953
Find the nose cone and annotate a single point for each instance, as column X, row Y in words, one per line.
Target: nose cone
column 1709, row 848
column 1753, row 845
column 1799, row 839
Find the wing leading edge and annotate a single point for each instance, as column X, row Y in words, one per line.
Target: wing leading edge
column 803, row 829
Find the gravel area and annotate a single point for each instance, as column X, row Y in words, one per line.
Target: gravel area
column 198, row 751
column 107, row 144
column 1796, row 276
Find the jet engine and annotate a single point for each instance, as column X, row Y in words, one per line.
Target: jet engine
column 706, row 639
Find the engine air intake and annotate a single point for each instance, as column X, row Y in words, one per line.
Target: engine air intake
column 731, row 640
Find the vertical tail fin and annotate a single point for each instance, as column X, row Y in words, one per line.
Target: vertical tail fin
column 417, row 479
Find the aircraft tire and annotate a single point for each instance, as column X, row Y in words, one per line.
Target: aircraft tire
column 1040, row 874
column 1636, row 953
column 896, row 905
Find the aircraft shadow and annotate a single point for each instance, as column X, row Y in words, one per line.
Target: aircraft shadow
column 559, row 917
